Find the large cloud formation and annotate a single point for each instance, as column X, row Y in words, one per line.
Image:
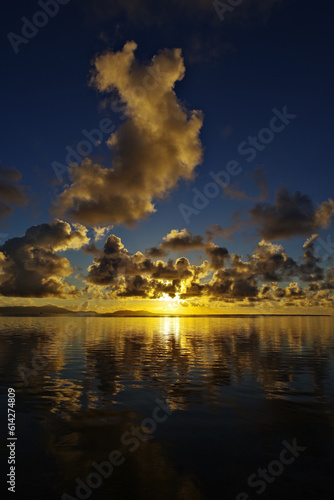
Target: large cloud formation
column 153, row 149
column 30, row 266
column 10, row 191
column 290, row 215
column 223, row 277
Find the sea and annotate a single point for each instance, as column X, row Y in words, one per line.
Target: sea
column 167, row 408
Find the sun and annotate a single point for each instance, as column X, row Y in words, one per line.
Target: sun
column 171, row 303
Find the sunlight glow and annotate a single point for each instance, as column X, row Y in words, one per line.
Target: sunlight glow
column 171, row 302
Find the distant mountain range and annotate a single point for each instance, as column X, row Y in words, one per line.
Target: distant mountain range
column 50, row 310
column 126, row 312
column 33, row 311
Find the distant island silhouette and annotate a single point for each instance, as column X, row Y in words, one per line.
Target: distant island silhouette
column 50, row 310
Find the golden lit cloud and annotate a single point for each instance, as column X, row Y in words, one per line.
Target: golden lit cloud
column 30, row 266
column 156, row 147
column 260, row 279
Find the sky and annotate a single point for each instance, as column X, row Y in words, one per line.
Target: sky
column 172, row 157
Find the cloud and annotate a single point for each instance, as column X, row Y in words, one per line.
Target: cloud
column 115, row 261
column 217, row 256
column 260, row 179
column 185, row 241
column 213, row 231
column 234, row 278
column 228, row 232
column 271, row 263
column 309, row 242
column 182, row 241
column 100, row 232
column 235, row 288
column 233, row 192
column 223, row 277
column 310, row 269
column 156, row 147
column 125, row 274
column 324, row 214
column 155, row 252
column 30, row 266
column 91, row 248
column 241, row 278
column 290, row 215
column 11, row 193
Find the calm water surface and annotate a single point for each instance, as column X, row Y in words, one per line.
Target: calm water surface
column 234, row 390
